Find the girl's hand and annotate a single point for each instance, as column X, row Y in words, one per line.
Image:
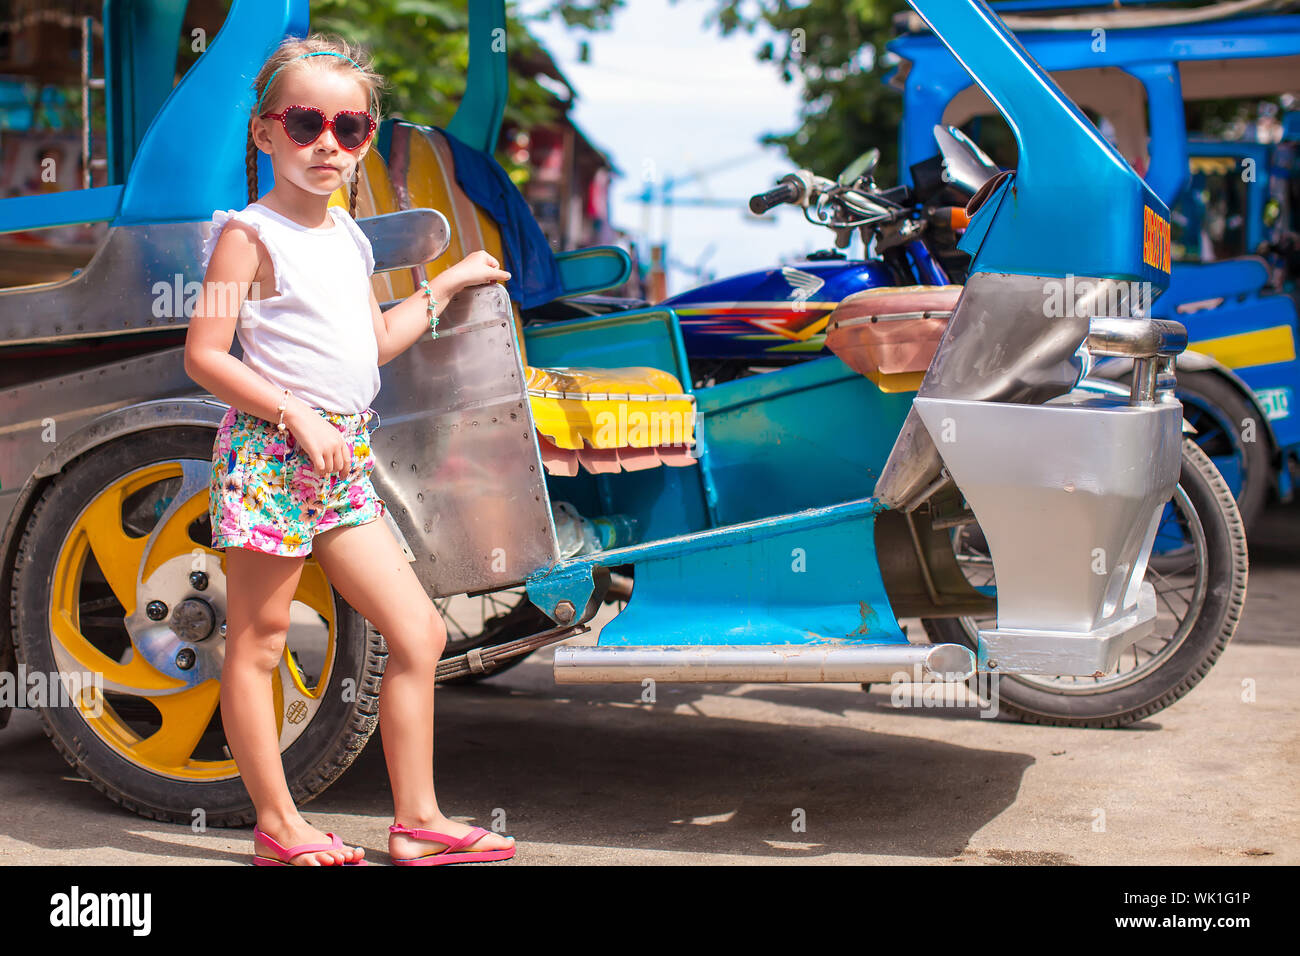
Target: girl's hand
column 321, row 441
column 475, row 269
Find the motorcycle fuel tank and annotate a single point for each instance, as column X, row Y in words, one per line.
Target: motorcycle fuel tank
column 778, row 314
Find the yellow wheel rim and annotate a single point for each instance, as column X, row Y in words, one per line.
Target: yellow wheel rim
column 137, row 609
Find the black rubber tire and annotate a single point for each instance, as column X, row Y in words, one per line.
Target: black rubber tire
column 1225, row 541
column 1257, row 467
column 335, row 736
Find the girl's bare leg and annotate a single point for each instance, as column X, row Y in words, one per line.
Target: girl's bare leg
column 260, row 588
column 366, row 566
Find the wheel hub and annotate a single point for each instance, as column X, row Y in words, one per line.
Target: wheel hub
column 194, row 620
column 181, row 646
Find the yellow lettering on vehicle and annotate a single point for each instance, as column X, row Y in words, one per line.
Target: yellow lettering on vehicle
column 1156, row 239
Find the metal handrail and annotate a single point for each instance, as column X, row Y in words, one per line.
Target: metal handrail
column 1136, row 338
column 1152, row 343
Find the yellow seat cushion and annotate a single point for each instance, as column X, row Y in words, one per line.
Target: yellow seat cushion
column 637, row 407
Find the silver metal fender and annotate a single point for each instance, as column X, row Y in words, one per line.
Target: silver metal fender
column 1068, row 497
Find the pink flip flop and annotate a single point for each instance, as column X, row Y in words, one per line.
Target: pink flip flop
column 285, row 855
column 452, row 852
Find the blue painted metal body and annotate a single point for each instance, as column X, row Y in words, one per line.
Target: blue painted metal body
column 1266, row 365
column 721, row 562
column 806, row 578
column 1024, row 230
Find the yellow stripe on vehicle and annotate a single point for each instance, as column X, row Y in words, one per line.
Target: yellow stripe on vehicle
column 1262, row 347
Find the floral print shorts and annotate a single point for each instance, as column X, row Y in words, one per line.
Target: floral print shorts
column 265, row 495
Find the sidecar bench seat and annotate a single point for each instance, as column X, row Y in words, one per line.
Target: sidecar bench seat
column 599, row 419
column 608, row 420
column 890, row 335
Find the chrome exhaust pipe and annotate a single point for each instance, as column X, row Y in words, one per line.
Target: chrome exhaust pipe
column 778, row 663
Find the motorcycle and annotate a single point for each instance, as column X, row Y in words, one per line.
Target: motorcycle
column 771, row 318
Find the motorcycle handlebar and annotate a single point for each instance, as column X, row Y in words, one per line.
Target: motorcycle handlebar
column 855, row 206
column 787, row 192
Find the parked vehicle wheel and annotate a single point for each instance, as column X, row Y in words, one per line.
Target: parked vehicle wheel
column 1199, row 605
column 115, row 578
column 1220, row 414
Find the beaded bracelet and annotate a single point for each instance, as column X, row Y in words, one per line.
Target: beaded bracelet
column 433, row 303
column 283, row 402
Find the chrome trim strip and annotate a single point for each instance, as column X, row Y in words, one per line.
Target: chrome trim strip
column 796, row 663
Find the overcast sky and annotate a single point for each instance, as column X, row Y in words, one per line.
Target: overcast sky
column 664, row 95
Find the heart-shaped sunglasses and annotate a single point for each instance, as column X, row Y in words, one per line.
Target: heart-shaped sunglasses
column 304, row 124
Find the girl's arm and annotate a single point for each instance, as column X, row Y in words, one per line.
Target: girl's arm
column 402, row 326
column 236, row 262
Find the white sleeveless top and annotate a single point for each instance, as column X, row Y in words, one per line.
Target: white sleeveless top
column 317, row 337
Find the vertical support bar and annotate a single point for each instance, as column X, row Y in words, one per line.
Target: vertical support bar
column 1163, row 84
column 88, row 82
column 477, row 122
column 86, row 41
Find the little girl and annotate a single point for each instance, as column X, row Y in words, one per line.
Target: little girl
column 291, row 462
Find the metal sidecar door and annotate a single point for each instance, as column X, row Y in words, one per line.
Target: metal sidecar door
column 458, row 456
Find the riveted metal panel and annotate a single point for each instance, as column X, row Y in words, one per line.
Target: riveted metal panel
column 141, row 278
column 457, row 453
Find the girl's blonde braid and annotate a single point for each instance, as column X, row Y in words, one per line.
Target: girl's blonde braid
column 251, row 167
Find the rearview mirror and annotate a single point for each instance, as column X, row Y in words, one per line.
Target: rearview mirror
column 862, row 166
column 965, row 165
